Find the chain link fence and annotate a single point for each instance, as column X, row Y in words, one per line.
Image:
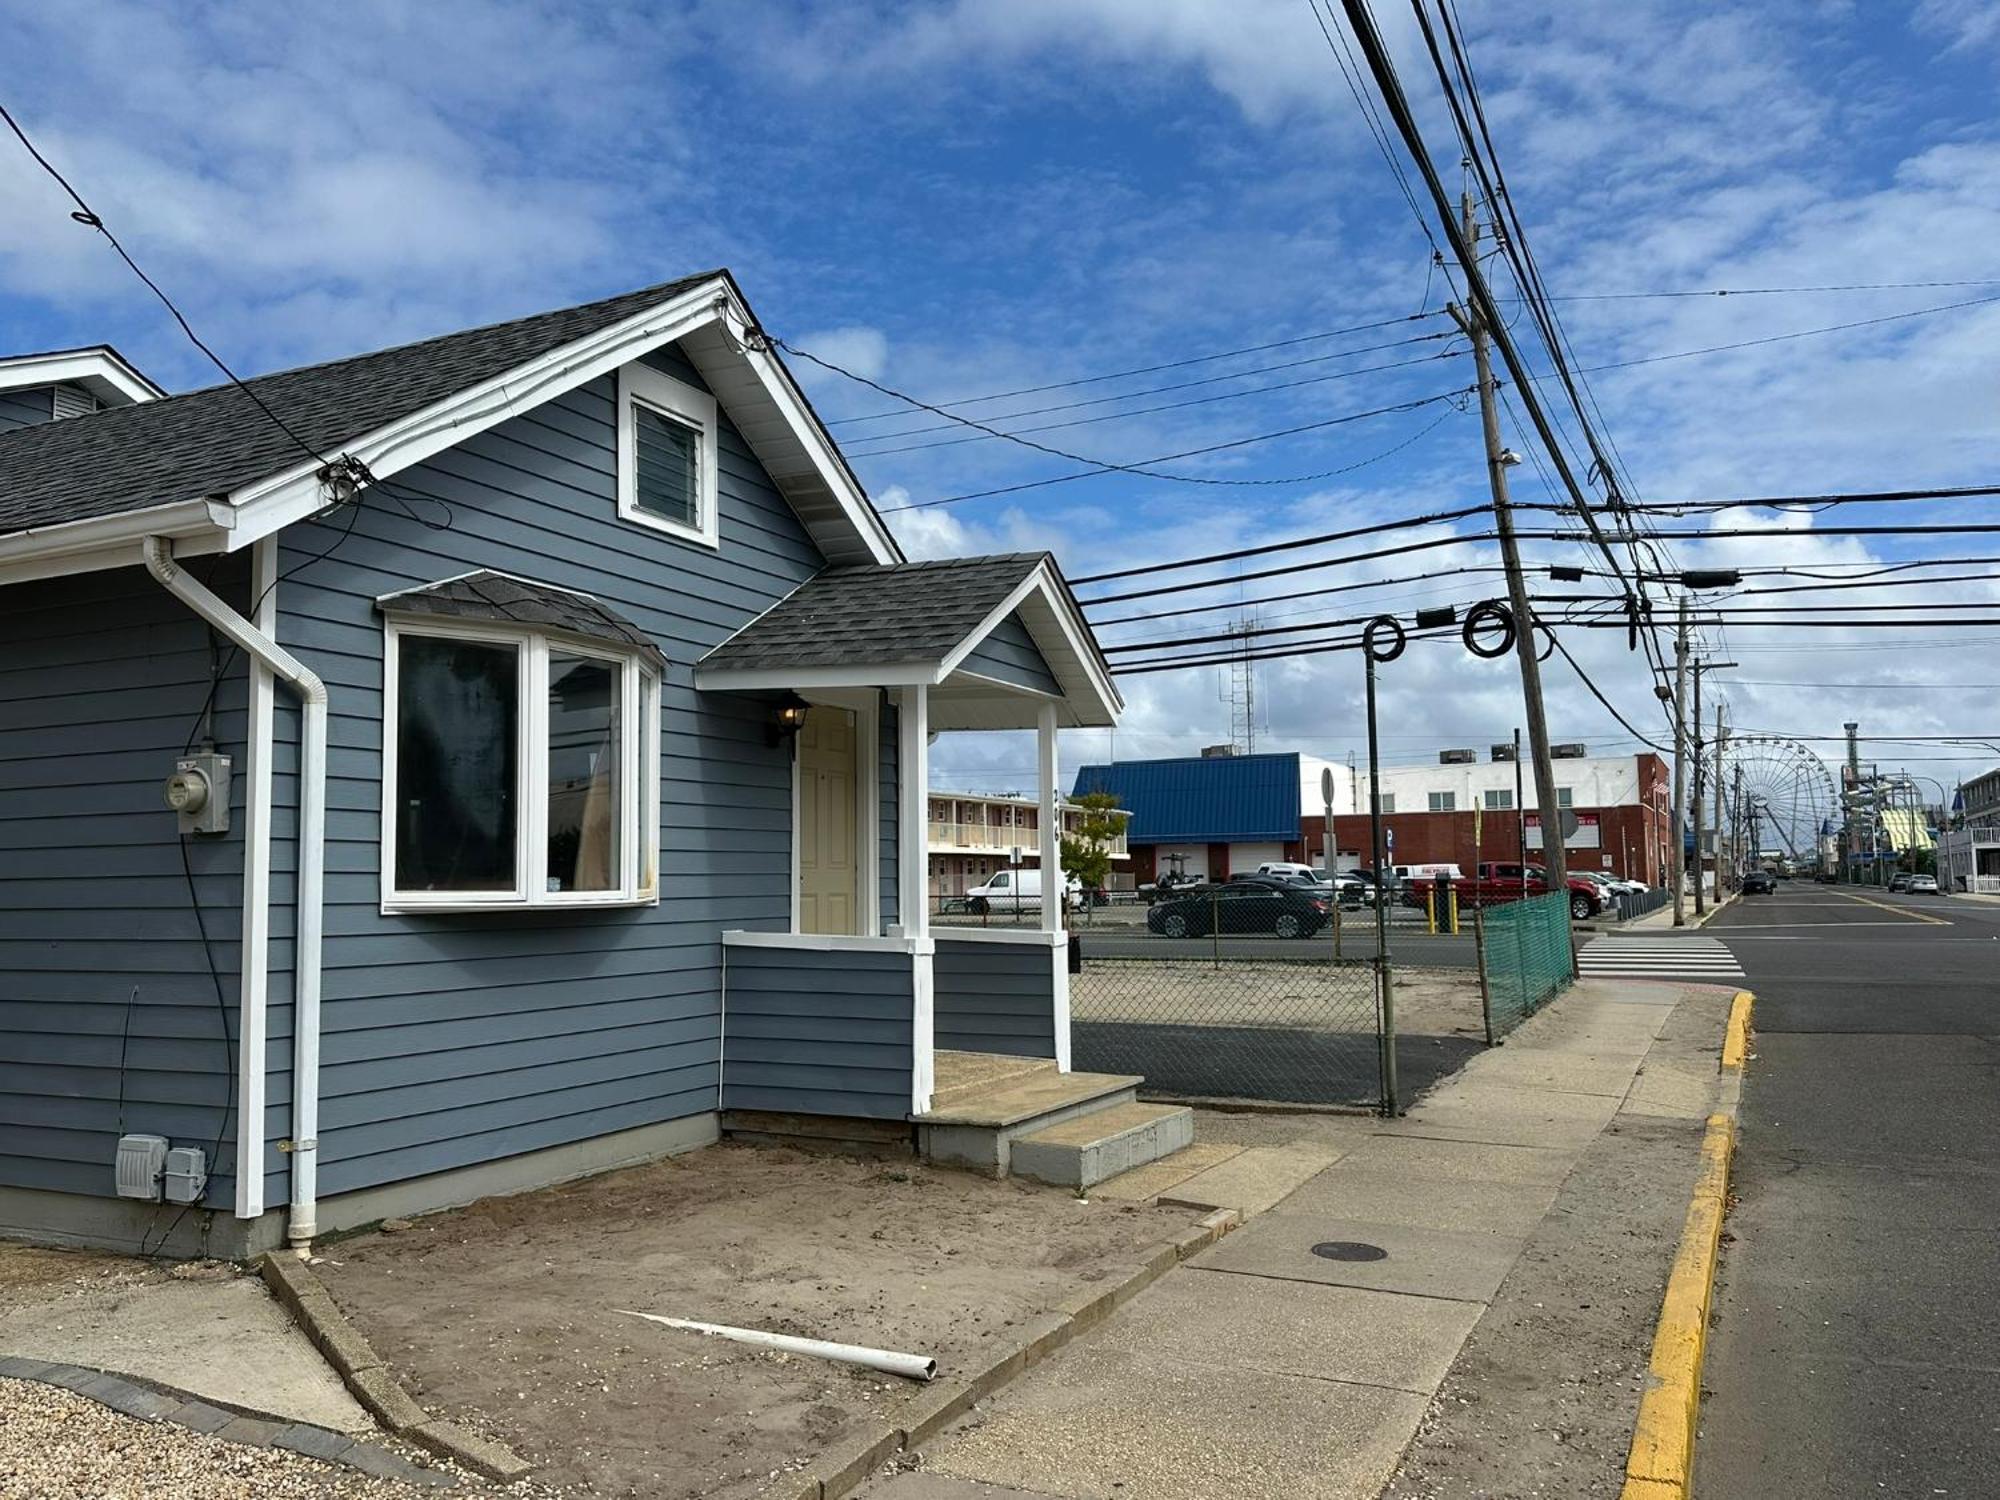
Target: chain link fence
column 1229, row 994
column 1525, row 958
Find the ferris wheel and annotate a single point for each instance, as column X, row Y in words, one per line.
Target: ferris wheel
column 1780, row 792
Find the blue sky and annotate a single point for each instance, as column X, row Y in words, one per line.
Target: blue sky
column 962, row 198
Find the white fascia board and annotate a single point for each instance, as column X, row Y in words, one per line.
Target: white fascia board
column 1075, row 632
column 771, row 679
column 99, row 369
column 197, row 527
column 822, row 942
column 819, row 446
column 282, row 499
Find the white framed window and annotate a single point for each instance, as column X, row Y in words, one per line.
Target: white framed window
column 666, row 455
column 519, row 769
column 1501, row 800
column 1565, row 796
column 1444, row 801
column 1387, row 801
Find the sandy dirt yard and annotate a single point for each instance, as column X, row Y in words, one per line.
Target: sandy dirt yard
column 504, row 1314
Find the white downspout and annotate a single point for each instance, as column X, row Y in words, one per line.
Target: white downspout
column 158, row 553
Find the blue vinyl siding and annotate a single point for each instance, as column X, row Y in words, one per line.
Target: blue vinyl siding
column 102, row 681
column 1008, row 654
column 819, row 1033
column 26, row 407
column 995, row 997
column 454, row 1039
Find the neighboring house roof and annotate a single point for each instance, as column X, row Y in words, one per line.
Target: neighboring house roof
column 99, row 368
column 905, row 624
column 214, row 440
column 1201, row 799
column 211, row 472
column 504, row 599
column 912, row 612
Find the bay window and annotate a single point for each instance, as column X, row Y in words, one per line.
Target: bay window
column 520, row 769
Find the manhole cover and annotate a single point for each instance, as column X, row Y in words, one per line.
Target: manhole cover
column 1349, row 1250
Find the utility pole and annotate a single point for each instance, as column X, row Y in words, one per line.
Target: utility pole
column 1498, row 461
column 1716, row 854
column 1720, row 742
column 1680, row 765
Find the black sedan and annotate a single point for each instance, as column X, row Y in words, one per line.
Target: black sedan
column 1240, row 908
column 1760, row 883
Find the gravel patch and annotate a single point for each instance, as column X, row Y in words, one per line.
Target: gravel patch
column 57, row 1445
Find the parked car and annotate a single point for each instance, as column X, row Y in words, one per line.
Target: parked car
column 1900, row 882
column 1016, row 890
column 1923, row 885
column 1239, row 907
column 1760, row 883
column 1495, row 884
column 1305, row 874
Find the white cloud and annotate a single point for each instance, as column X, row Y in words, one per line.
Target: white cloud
column 857, row 347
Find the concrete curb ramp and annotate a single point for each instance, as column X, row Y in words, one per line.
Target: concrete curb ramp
column 1661, row 1463
column 369, row 1378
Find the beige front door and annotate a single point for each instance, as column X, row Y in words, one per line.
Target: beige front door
column 828, row 882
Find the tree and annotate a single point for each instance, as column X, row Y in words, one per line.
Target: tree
column 1086, row 850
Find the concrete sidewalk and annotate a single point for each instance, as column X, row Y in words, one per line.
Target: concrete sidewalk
column 1299, row 1355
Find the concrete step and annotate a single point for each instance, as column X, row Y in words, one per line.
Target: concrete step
column 977, row 1128
column 964, row 1076
column 1084, row 1151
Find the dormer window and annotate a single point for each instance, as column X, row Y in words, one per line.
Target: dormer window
column 666, row 454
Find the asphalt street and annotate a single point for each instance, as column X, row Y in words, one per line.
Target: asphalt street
column 1857, row 1332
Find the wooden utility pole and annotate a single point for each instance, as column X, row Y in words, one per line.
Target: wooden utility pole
column 1498, row 461
column 1680, row 766
column 1721, row 740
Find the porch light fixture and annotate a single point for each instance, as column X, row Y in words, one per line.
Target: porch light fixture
column 788, row 721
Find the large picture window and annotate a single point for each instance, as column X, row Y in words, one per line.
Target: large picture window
column 666, row 454
column 521, row 770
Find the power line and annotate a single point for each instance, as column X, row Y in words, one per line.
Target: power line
column 1209, row 558
column 1338, row 588
column 1779, row 338
column 1777, row 291
column 1465, row 539
column 1172, row 364
column 1147, row 411
column 1161, row 390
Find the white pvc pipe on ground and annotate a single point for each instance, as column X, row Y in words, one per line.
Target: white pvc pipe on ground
column 909, row 1366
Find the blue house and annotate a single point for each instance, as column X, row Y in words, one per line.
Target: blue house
column 476, row 763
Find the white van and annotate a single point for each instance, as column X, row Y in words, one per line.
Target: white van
column 1015, row 890
column 1410, row 874
column 1289, row 870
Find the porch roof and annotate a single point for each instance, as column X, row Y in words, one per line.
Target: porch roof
column 909, row 624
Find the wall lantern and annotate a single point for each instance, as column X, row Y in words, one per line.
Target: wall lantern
column 787, row 721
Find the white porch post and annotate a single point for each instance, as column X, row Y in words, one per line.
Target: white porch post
column 1055, row 884
column 913, row 884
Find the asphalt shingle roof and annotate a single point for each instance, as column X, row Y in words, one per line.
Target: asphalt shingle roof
column 901, row 612
column 487, row 595
column 212, row 441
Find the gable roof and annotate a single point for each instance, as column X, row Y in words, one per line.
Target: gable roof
column 99, row 368
column 212, row 472
column 913, row 623
column 214, row 440
column 1202, row 799
column 912, row 612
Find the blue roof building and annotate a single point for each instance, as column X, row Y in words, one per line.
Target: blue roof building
column 1195, row 799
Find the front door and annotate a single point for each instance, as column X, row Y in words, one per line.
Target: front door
column 828, row 882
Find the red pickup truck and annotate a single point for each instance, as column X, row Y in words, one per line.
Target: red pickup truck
column 1494, row 884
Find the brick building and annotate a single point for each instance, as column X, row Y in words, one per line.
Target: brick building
column 1215, row 816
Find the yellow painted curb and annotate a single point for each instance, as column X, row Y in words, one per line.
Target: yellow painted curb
column 1736, row 1040
column 1661, row 1463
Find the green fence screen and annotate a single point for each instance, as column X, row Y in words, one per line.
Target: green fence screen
column 1525, row 959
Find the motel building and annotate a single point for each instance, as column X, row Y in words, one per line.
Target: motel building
column 973, row 836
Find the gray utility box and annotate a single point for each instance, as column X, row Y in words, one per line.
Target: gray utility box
column 186, row 1174
column 142, row 1159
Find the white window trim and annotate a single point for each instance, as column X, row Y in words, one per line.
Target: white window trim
column 639, row 788
column 644, row 385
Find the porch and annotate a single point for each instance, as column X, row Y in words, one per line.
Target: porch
column 860, row 1021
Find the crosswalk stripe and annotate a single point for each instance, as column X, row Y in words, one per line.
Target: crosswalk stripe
column 1692, row 958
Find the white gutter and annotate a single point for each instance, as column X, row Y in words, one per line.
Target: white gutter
column 158, row 553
